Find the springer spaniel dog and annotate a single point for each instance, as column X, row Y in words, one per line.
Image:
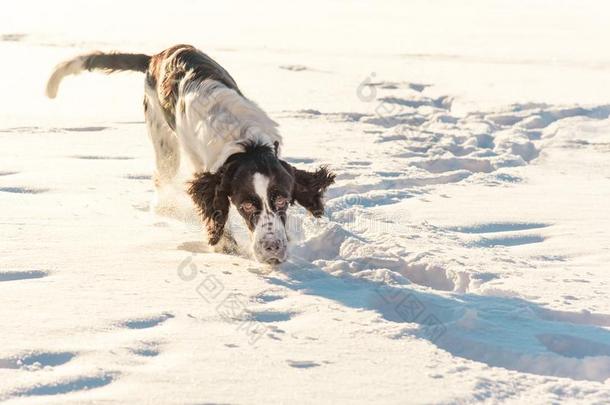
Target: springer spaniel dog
column 193, row 106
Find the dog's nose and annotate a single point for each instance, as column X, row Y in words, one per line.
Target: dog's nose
column 272, row 246
column 272, row 251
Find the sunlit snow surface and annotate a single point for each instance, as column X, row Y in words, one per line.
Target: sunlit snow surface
column 465, row 248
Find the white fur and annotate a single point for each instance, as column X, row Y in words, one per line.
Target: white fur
column 164, row 140
column 261, row 186
column 69, row 67
column 215, row 120
column 269, row 228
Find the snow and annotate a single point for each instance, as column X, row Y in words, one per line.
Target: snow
column 464, row 252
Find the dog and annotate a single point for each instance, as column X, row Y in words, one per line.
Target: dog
column 193, row 106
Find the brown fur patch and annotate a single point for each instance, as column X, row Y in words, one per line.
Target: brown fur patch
column 113, row 62
column 169, row 67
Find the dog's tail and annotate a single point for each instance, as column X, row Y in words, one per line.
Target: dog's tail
column 105, row 62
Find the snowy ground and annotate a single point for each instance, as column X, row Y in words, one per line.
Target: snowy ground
column 464, row 255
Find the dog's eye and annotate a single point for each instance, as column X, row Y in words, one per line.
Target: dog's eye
column 281, row 202
column 248, row 207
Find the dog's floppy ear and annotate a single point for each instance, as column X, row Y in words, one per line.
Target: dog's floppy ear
column 211, row 197
column 309, row 187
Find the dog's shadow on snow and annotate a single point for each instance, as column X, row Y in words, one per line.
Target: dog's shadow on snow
column 504, row 332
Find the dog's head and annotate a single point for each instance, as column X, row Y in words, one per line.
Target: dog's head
column 261, row 187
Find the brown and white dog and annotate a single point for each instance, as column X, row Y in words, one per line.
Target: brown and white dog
column 193, row 106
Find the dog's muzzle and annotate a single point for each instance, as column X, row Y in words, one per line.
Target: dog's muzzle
column 271, row 249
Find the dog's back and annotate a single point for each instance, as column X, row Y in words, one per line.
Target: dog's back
column 168, row 69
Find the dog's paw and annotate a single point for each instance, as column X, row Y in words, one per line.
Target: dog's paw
column 214, row 237
column 227, row 245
